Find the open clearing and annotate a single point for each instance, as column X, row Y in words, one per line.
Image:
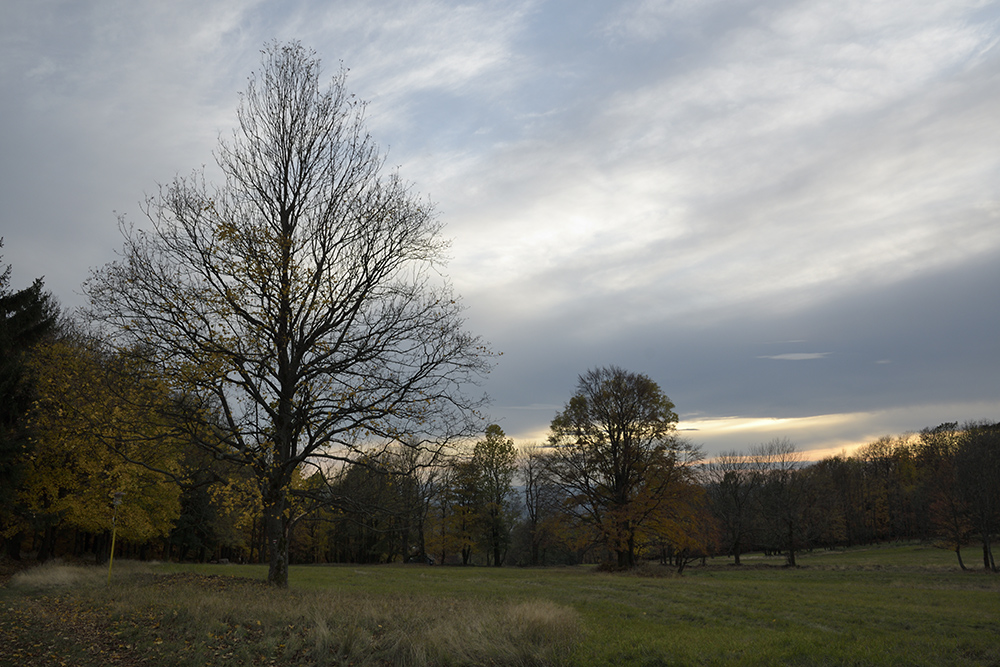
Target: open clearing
column 893, row 605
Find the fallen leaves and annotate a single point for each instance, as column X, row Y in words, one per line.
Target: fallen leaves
column 60, row 630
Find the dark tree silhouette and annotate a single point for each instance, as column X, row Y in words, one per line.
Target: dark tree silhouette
column 26, row 316
column 616, row 455
column 733, row 481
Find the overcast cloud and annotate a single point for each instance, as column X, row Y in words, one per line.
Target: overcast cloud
column 786, row 213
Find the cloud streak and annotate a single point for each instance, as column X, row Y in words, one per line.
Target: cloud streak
column 796, row 356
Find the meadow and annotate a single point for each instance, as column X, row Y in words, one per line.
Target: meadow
column 890, row 605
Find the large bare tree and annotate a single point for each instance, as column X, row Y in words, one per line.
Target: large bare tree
column 298, row 305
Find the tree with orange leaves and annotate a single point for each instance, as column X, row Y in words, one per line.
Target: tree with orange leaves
column 615, row 453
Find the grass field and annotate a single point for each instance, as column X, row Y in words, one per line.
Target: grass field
column 896, row 605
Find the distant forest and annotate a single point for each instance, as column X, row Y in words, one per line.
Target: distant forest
column 82, row 423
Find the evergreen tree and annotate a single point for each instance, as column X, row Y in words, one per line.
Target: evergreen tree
column 26, row 316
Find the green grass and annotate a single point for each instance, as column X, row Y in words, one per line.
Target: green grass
column 895, row 605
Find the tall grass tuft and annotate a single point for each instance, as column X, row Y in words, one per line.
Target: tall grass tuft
column 57, row 574
column 415, row 631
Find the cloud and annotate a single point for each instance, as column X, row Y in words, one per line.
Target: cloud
column 796, row 356
column 779, row 168
column 411, row 60
column 667, row 186
column 103, row 101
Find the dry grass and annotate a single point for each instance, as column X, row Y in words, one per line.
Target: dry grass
column 56, row 574
column 189, row 619
column 408, row 631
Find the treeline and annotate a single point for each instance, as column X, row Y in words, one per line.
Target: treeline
column 614, row 483
column 940, row 485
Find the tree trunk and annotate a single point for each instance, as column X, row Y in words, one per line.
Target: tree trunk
column 47, row 550
column 277, row 522
column 958, row 552
column 421, row 537
column 791, row 545
column 102, row 547
column 497, row 557
column 682, row 560
column 253, row 540
column 14, row 546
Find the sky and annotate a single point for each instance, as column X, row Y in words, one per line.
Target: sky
column 786, row 213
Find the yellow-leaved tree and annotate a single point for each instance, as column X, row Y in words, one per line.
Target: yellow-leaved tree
column 90, row 442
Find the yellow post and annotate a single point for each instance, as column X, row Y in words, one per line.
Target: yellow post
column 114, row 530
